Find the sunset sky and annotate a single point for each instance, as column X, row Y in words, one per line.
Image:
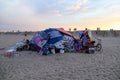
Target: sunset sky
column 34, row 15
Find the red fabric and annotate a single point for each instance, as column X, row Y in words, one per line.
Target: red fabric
column 65, row 32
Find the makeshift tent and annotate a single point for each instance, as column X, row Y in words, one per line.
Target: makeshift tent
column 53, row 36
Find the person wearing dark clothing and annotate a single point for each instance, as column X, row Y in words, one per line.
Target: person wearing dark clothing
column 85, row 40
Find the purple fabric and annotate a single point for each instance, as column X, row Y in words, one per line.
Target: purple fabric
column 40, row 38
column 76, row 46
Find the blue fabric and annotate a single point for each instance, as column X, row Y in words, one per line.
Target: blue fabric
column 80, row 33
column 52, row 41
column 84, row 38
column 55, row 35
column 40, row 38
column 85, row 42
column 42, row 35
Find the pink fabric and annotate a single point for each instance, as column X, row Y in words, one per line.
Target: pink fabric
column 65, row 32
column 2, row 48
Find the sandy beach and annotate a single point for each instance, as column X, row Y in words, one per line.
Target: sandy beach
column 104, row 65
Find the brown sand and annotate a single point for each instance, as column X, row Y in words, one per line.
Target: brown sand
column 29, row 65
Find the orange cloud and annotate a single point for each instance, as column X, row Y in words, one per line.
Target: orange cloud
column 77, row 6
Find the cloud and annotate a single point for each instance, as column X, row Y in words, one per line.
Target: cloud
column 77, row 6
column 45, row 7
column 74, row 7
column 85, row 9
column 85, row 1
column 57, row 13
column 18, row 12
column 57, row 3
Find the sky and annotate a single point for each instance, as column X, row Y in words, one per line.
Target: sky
column 35, row 15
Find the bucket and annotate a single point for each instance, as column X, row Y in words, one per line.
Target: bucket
column 91, row 50
column 53, row 51
column 62, row 51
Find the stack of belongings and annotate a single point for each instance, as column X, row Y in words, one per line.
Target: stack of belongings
column 52, row 40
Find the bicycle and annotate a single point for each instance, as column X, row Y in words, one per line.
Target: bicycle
column 98, row 46
column 94, row 45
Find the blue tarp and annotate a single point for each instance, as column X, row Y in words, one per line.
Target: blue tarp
column 54, row 35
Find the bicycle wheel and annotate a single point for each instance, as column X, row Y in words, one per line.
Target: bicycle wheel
column 98, row 47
